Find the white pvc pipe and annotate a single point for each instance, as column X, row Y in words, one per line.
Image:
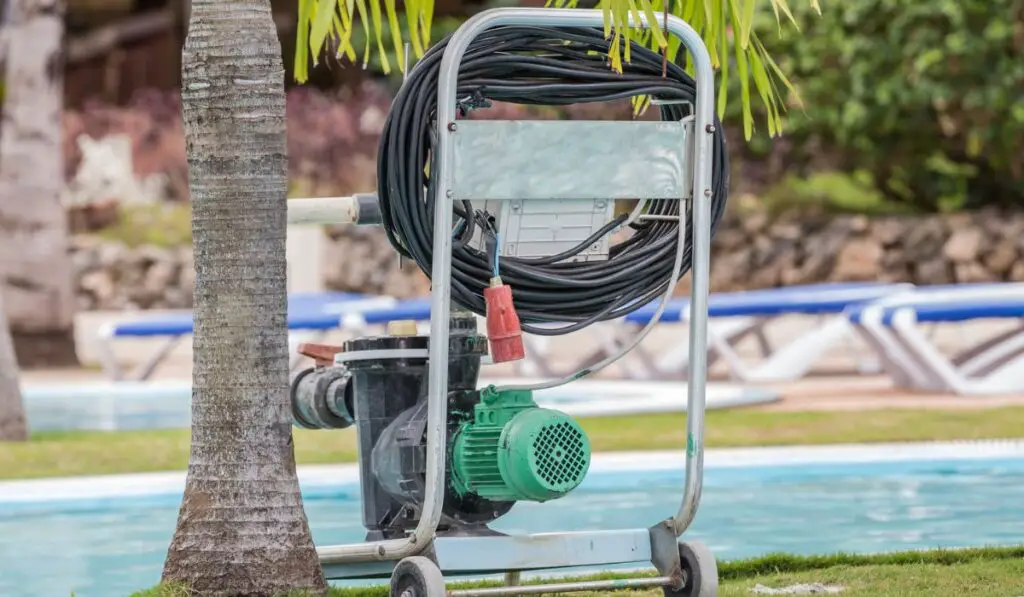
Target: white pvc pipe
column 323, row 210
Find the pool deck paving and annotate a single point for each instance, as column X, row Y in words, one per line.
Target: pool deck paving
column 874, row 392
column 834, row 384
column 818, row 393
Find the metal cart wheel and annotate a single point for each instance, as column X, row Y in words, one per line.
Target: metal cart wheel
column 701, row 571
column 417, row 576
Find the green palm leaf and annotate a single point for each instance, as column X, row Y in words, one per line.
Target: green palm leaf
column 726, row 26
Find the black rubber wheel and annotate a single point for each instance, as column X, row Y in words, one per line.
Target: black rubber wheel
column 699, row 568
column 417, row 576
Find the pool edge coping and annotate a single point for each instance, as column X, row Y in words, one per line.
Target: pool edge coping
column 53, row 489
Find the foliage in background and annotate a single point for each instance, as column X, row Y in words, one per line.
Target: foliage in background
column 830, row 192
column 355, row 30
column 924, row 96
column 151, row 119
column 160, row 224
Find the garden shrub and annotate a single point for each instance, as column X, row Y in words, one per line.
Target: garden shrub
column 828, row 191
column 927, row 97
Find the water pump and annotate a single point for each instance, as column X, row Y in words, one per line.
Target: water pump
column 514, row 221
column 502, row 447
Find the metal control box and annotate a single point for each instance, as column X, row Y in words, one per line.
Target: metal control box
column 543, row 228
column 550, row 185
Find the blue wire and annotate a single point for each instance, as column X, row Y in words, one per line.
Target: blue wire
column 497, row 251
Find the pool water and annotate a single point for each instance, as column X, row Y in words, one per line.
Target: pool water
column 110, row 548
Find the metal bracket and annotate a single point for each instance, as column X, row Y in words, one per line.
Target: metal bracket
column 665, row 553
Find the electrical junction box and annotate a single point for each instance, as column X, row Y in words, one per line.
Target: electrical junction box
column 541, row 228
column 550, row 185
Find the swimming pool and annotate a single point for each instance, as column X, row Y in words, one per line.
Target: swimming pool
column 58, row 537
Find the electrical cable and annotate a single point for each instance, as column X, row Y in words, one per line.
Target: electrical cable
column 539, row 66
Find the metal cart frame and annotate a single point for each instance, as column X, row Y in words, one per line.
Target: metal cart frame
column 511, row 554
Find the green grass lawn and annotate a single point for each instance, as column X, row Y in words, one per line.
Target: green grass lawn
column 87, row 453
column 985, row 572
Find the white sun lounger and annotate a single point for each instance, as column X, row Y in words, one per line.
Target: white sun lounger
column 309, row 314
column 737, row 315
column 993, row 366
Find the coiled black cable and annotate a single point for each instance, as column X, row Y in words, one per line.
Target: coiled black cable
column 539, row 66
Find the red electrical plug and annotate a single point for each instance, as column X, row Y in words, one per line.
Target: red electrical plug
column 503, row 331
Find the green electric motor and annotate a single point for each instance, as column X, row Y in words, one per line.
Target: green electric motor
column 514, row 450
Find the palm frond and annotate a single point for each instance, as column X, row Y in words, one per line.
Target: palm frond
column 726, row 26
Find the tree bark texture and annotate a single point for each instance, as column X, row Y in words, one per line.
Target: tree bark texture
column 34, row 253
column 241, row 528
column 12, row 415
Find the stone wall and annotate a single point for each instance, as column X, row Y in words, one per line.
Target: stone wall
column 751, row 250
column 112, row 276
column 360, row 259
column 757, row 252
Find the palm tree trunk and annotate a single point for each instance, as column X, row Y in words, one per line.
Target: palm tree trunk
column 12, row 415
column 241, row 528
column 33, row 226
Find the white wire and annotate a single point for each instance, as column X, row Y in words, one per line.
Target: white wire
column 680, row 249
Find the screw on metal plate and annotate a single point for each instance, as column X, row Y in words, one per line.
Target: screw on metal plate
column 450, row 194
column 710, row 128
column 452, row 126
column 707, row 192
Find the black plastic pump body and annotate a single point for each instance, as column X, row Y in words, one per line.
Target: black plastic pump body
column 389, row 407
